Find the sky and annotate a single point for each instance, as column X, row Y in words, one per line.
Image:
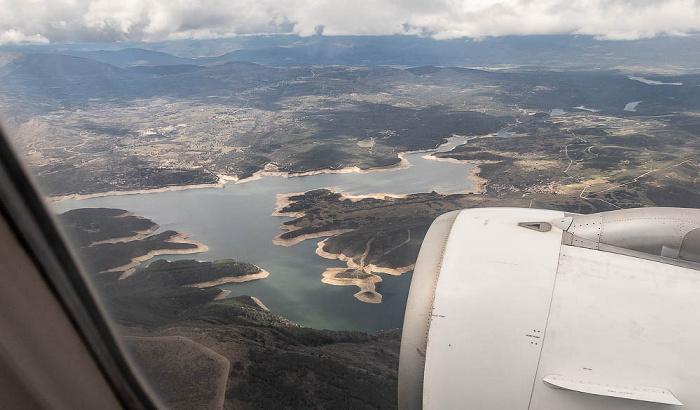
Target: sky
column 59, row 21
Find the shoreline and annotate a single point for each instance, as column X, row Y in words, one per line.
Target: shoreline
column 259, row 303
column 369, row 269
column 223, row 179
column 130, row 267
column 270, row 170
column 431, row 157
column 478, row 182
column 368, row 292
column 283, row 200
column 139, row 235
column 262, row 273
column 222, row 295
column 279, row 241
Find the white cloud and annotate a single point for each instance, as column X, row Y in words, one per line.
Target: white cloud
column 13, row 36
column 156, row 20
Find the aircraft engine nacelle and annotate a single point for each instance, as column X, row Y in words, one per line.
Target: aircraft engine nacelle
column 537, row 309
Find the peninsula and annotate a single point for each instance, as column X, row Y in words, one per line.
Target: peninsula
column 231, row 347
column 584, row 162
column 114, row 240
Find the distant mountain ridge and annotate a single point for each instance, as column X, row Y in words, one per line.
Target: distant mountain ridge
column 661, row 54
column 128, row 74
column 130, row 57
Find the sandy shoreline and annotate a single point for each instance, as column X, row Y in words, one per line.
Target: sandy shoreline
column 271, row 170
column 222, row 295
column 278, row 240
column 130, row 268
column 125, row 214
column 390, row 271
column 368, row 292
column 370, row 268
column 231, row 279
column 431, row 157
column 283, row 200
column 479, row 183
column 259, row 303
column 139, row 235
column 222, row 181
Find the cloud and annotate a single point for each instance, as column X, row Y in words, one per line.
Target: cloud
column 40, row 21
column 13, row 36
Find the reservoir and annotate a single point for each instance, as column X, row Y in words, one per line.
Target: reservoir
column 236, row 222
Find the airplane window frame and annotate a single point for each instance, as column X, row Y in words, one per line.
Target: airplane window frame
column 28, row 218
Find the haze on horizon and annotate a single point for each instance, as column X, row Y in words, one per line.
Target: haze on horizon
column 65, row 21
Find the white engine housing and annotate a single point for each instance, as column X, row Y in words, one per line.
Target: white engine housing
column 508, row 311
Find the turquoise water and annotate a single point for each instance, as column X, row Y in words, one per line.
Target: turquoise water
column 236, row 222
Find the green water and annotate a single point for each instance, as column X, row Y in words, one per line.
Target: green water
column 236, row 222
